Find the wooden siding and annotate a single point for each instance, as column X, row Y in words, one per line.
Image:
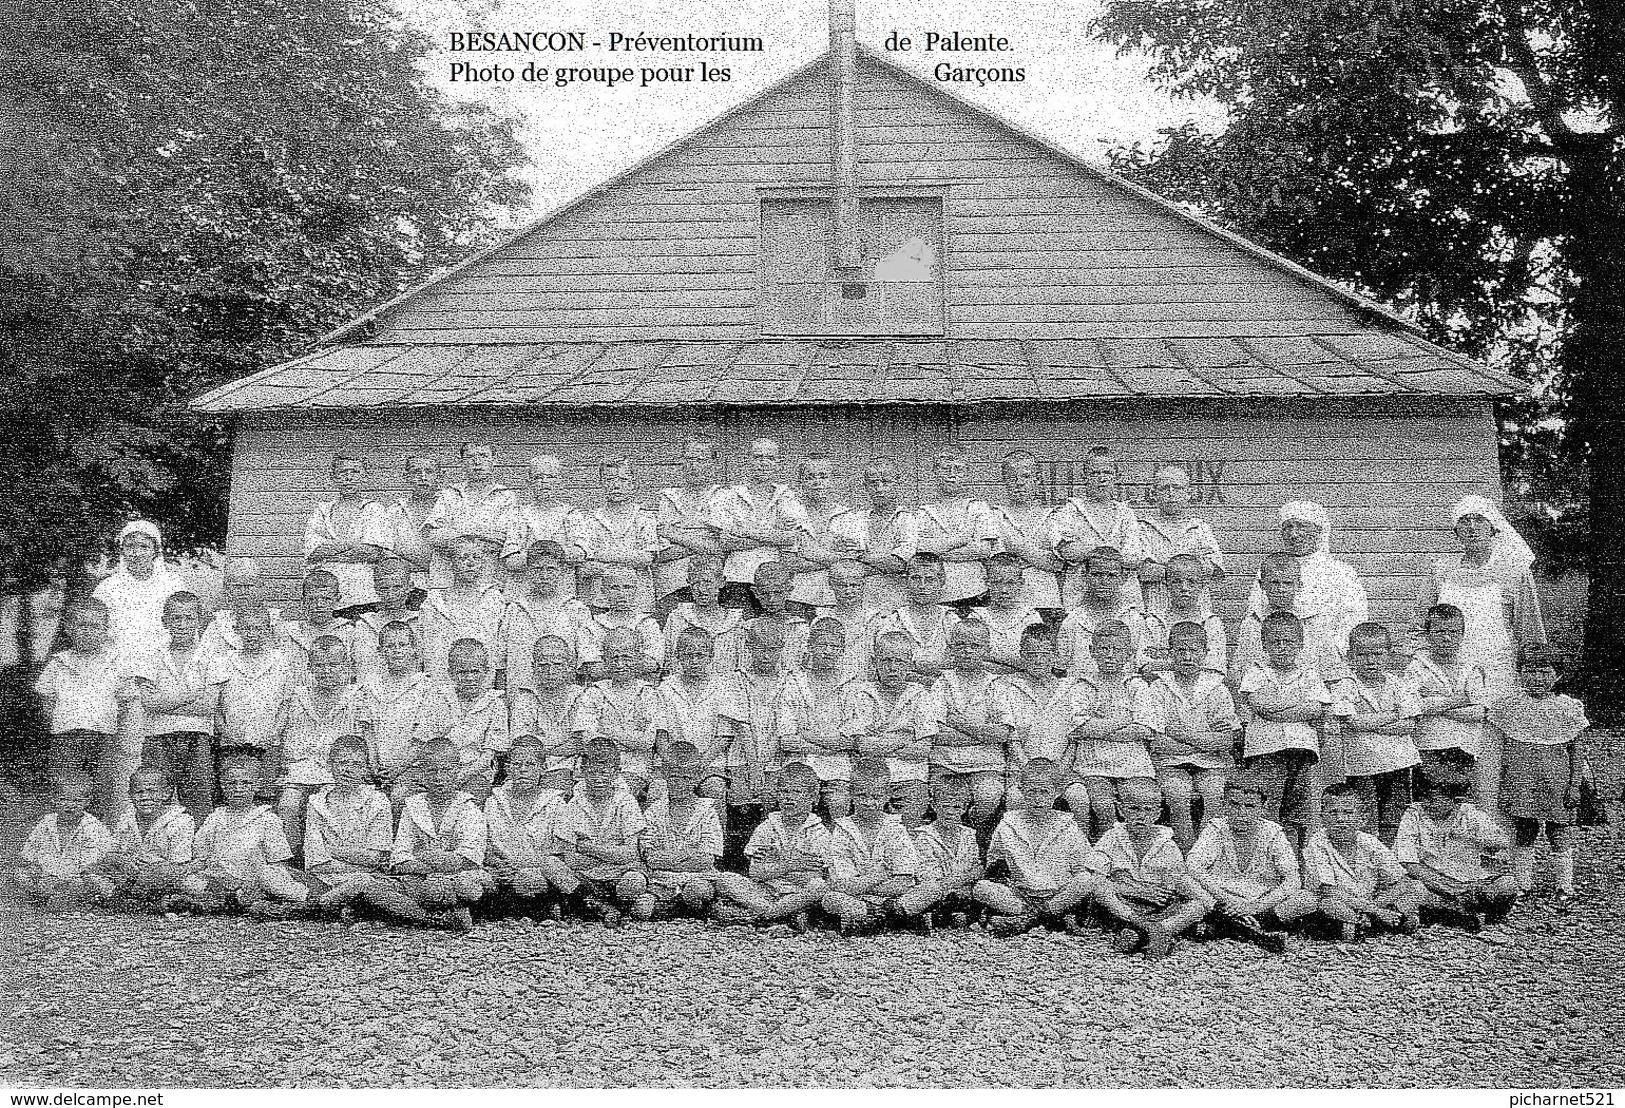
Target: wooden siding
column 1386, row 472
column 1035, row 246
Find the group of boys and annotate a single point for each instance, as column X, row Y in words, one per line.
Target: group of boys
column 891, row 748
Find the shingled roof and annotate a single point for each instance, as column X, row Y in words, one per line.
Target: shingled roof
column 882, row 371
column 1375, row 353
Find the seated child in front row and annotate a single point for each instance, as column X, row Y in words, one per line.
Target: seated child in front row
column 1540, row 767
column 439, row 850
column 601, row 833
column 1444, row 843
column 872, row 860
column 1356, row 881
column 683, row 842
column 789, row 850
column 1036, row 859
column 152, row 844
column 58, row 864
column 950, row 858
column 1249, row 870
column 523, row 856
column 349, row 828
column 1144, row 888
column 240, row 855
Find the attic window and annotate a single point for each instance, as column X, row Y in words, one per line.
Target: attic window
column 898, row 291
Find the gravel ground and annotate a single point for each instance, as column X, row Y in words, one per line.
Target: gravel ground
column 99, row 1000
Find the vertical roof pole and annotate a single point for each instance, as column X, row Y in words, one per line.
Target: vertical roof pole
column 843, row 55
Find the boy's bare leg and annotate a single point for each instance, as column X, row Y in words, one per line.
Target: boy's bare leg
column 632, row 889
column 1069, row 896
column 736, row 888
column 290, row 806
column 922, row 898
column 792, row 904
column 1177, row 791
column 1000, row 898
column 848, row 908
column 697, row 893
column 1295, row 907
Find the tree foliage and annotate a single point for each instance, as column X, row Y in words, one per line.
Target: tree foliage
column 1461, row 161
column 191, row 190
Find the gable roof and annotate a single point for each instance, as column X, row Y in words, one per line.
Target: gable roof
column 1382, row 354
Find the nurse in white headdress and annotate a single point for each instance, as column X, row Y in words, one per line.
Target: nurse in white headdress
column 1332, row 598
column 135, row 592
column 1491, row 581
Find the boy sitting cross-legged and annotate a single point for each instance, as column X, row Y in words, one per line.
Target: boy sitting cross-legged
column 601, row 833
column 684, row 840
column 1145, row 891
column 1455, row 851
column 152, row 844
column 1357, row 882
column 58, row 863
column 872, row 858
column 789, row 850
column 1036, row 859
column 521, row 821
column 1249, row 870
column 240, row 855
column 950, row 859
column 439, row 848
column 349, row 828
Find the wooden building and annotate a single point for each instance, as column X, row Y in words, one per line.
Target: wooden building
column 859, row 261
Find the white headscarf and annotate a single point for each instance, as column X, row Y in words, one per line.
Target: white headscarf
column 1507, row 545
column 150, row 530
column 135, row 605
column 1330, row 587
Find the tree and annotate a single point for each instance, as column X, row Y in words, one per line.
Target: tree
column 1462, row 161
column 192, row 190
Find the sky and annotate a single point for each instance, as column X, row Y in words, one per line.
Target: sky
column 1076, row 93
